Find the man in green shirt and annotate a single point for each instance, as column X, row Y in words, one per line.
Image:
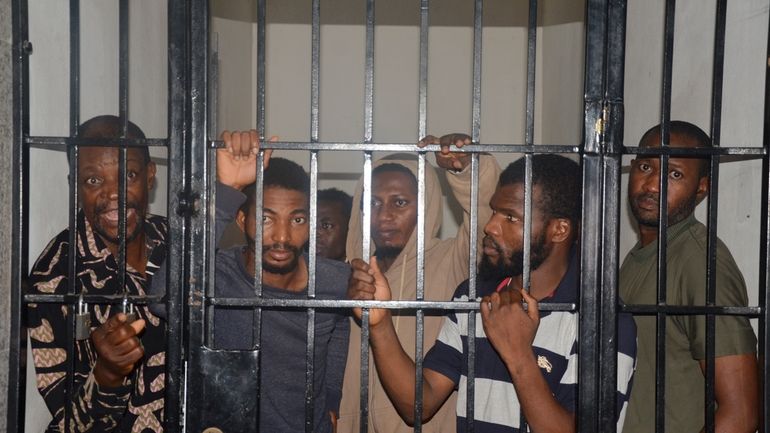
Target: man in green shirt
column 735, row 361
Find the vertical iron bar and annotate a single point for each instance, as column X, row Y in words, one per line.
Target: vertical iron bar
column 261, row 51
column 529, row 140
column 590, row 237
column 123, row 34
column 309, row 410
column 198, row 186
column 422, row 122
column 365, row 254
column 74, row 120
column 713, row 205
column 665, row 110
column 178, row 109
column 73, row 200
column 369, row 74
column 420, row 314
column 478, row 22
column 472, row 260
column 610, row 226
column 17, row 346
column 764, row 261
column 315, row 74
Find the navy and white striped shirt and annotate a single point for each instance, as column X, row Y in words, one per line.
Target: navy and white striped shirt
column 496, row 406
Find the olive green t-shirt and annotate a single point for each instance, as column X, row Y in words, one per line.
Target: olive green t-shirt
column 685, row 334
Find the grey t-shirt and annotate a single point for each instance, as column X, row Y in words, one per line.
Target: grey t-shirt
column 284, row 334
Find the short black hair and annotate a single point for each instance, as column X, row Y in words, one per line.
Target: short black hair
column 334, row 195
column 392, row 167
column 560, row 182
column 685, row 129
column 280, row 173
column 109, row 126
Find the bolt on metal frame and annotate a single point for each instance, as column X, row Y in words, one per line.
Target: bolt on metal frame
column 190, row 270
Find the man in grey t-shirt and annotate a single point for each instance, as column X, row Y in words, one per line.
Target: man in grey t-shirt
column 283, row 341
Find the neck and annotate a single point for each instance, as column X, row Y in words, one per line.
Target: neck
column 647, row 234
column 385, row 263
column 546, row 278
column 294, row 281
column 136, row 250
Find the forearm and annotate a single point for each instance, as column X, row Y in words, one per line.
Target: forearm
column 228, row 201
column 397, row 374
column 543, row 413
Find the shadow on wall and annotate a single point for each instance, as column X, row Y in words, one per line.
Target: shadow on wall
column 406, row 12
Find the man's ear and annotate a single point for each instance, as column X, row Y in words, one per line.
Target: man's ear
column 151, row 170
column 703, row 189
column 559, row 229
column 240, row 219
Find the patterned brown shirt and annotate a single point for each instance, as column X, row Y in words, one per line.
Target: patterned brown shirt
column 137, row 405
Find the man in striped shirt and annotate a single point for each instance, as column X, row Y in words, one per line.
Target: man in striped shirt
column 525, row 361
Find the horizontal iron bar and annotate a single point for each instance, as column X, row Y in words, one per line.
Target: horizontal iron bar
column 676, row 151
column 682, row 310
column 91, row 299
column 411, row 147
column 115, row 142
column 347, row 303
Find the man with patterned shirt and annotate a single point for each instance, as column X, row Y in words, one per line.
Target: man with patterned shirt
column 118, row 381
column 525, row 360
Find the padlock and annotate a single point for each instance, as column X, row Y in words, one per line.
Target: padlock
column 82, row 321
column 128, row 310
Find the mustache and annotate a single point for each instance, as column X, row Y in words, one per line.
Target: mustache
column 488, row 242
column 280, row 246
column 649, row 196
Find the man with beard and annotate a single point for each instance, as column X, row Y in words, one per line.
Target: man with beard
column 332, row 228
column 394, row 241
column 735, row 363
column 118, row 372
column 526, row 361
column 283, row 344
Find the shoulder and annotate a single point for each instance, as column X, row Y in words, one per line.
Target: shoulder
column 158, row 224
column 332, row 276
column 53, row 255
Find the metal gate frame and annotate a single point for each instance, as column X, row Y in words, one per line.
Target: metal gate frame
column 189, row 207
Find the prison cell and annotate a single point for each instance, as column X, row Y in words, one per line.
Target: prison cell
column 191, row 403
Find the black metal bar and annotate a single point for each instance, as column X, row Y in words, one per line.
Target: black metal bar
column 178, row 112
column 17, row 343
column 612, row 116
column 590, row 239
column 422, row 121
column 665, row 110
column 763, row 288
column 64, row 142
column 713, row 205
column 369, row 74
column 261, row 53
column 74, row 118
column 473, row 241
column 478, row 28
column 365, row 254
column 315, row 70
column 311, row 286
column 123, row 38
column 691, row 152
column 411, row 147
column 420, row 294
column 198, row 184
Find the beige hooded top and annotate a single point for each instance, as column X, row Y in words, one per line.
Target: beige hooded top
column 446, row 266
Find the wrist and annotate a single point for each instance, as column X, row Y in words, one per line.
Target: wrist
column 519, row 364
column 105, row 377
